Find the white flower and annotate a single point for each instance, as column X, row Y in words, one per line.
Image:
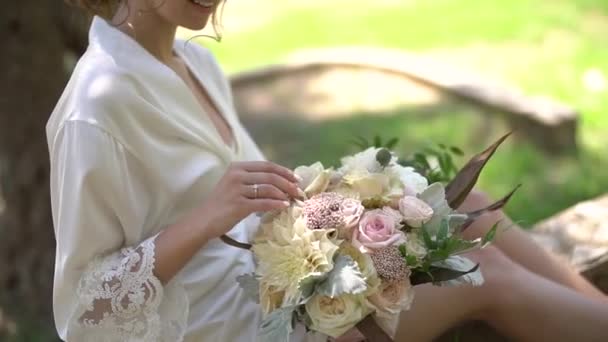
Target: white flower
column 389, row 301
column 314, row 179
column 363, row 160
column 413, row 182
column 291, row 254
column 415, row 211
column 365, row 263
column 307, row 174
column 367, row 184
column 414, row 246
column 335, row 316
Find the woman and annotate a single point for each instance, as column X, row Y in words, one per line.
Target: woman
column 150, row 165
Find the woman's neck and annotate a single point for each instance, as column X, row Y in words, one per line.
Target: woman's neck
column 150, row 30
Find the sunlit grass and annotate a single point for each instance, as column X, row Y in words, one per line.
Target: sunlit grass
column 545, row 47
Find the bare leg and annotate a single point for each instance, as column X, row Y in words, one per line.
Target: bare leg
column 514, row 300
column 518, row 246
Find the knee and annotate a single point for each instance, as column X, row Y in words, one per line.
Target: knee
column 501, row 278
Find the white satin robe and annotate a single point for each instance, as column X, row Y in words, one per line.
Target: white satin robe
column 131, row 152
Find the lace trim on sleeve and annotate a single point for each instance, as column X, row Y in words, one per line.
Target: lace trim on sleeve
column 120, row 299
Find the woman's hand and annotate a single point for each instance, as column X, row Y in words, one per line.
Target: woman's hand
column 235, row 196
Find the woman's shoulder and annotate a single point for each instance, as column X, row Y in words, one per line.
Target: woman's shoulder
column 98, row 93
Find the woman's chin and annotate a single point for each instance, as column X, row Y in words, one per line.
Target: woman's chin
column 195, row 25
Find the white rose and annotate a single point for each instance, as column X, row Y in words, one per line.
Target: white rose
column 335, row 316
column 415, row 211
column 414, row 246
column 413, row 182
column 313, row 179
column 389, row 301
column 307, row 174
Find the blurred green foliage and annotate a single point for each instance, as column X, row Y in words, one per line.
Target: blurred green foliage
column 544, row 47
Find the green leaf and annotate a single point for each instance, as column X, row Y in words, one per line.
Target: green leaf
column 451, row 167
column 457, row 245
column 377, row 141
column 428, row 242
column 392, row 143
column 411, row 260
column 345, row 277
column 455, row 150
column 442, row 146
column 361, row 142
column 421, row 159
column 403, row 250
column 278, row 326
column 431, row 151
column 444, row 228
column 490, row 235
column 250, row 285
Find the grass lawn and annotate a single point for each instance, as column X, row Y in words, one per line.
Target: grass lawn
column 546, row 47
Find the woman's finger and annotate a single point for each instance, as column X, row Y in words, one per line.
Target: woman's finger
column 289, row 188
column 265, row 191
column 269, row 167
column 263, row 205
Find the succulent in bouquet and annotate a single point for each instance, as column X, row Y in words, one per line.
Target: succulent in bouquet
column 349, row 253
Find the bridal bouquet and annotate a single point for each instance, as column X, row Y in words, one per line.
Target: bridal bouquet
column 349, row 254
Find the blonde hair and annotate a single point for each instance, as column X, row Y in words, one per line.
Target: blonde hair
column 107, row 8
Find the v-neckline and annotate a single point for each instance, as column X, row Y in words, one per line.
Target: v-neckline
column 234, row 146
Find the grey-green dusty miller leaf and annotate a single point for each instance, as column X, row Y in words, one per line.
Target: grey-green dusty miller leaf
column 345, row 277
column 434, row 196
column 278, row 326
column 460, row 263
column 250, row 285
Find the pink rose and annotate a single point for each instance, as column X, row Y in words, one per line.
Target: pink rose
column 351, row 210
column 378, row 229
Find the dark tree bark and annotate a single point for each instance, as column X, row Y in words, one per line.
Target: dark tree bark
column 40, row 41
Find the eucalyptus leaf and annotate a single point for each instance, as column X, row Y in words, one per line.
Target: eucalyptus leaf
column 250, row 285
column 278, row 326
column 345, row 277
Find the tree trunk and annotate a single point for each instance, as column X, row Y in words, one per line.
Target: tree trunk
column 40, row 41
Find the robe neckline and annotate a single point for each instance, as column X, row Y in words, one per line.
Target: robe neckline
column 129, row 54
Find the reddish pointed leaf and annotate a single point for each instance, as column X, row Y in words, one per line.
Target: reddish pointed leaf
column 474, row 215
column 460, row 187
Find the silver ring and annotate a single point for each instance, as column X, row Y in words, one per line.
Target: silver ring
column 255, row 191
